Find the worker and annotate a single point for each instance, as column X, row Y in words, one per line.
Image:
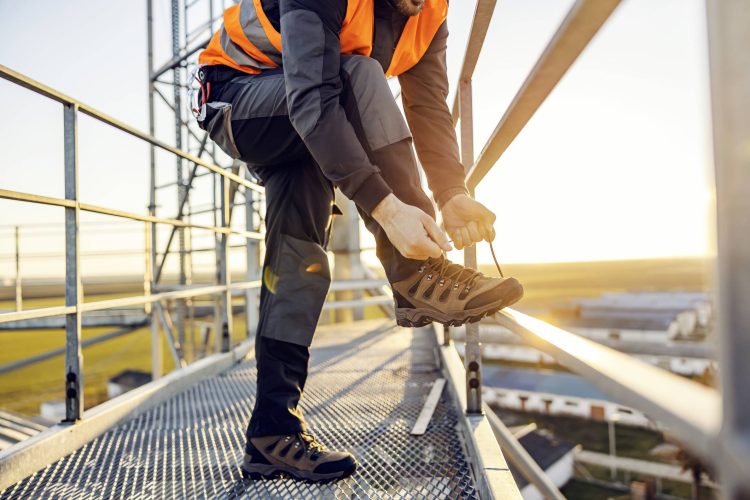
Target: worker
column 320, row 114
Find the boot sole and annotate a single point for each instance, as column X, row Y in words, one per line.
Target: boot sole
column 270, row 471
column 422, row 316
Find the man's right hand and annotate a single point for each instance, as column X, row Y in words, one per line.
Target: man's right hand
column 415, row 234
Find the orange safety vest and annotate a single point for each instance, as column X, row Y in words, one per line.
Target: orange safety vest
column 248, row 42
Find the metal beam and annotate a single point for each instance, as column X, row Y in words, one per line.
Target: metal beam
column 729, row 39
column 473, row 353
column 479, row 26
column 99, row 305
column 519, row 457
column 86, row 207
column 583, row 21
column 39, row 88
column 73, row 287
column 495, row 481
column 665, row 397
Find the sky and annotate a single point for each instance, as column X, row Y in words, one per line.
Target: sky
column 615, row 165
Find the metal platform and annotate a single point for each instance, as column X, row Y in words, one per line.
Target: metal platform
column 368, row 383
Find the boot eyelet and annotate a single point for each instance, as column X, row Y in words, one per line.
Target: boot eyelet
column 442, row 282
column 455, row 287
column 421, row 269
column 429, row 277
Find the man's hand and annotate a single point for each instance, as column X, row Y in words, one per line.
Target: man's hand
column 467, row 221
column 414, row 233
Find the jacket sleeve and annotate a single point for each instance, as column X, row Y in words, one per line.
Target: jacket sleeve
column 424, row 91
column 311, row 57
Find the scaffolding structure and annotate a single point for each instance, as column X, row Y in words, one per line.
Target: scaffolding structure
column 192, row 23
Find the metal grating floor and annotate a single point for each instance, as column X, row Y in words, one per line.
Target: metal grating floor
column 367, row 385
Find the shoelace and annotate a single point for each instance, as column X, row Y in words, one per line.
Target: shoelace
column 312, row 443
column 474, row 274
column 497, row 265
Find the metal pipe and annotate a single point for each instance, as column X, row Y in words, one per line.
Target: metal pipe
column 73, row 287
column 669, row 399
column 729, row 38
column 224, row 316
column 39, row 88
column 157, row 363
column 479, row 26
column 252, row 269
column 521, row 458
column 99, row 305
column 583, row 21
column 46, row 200
column 473, row 353
column 19, row 290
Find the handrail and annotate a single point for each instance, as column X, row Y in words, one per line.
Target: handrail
column 578, row 28
column 715, row 428
column 41, row 89
column 87, row 207
column 479, row 26
column 664, row 396
column 74, row 305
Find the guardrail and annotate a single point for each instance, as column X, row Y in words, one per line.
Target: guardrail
column 714, row 425
column 74, row 306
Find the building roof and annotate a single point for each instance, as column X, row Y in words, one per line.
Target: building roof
column 544, row 448
column 131, row 378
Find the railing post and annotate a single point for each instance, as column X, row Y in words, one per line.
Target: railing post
column 446, row 335
column 729, row 37
column 19, row 290
column 253, row 266
column 157, row 356
column 473, row 349
column 73, row 288
column 224, row 323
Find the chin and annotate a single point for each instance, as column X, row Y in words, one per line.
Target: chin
column 409, row 7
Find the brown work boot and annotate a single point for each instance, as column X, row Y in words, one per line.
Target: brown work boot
column 451, row 294
column 299, row 456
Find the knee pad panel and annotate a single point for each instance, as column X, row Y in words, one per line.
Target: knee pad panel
column 298, row 283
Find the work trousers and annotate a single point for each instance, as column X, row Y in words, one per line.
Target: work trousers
column 247, row 116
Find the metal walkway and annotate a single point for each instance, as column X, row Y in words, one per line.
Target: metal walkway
column 368, row 382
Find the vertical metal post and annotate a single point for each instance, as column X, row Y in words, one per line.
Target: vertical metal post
column 157, row 365
column 253, row 265
column 446, row 335
column 729, row 38
column 346, row 263
column 612, row 446
column 473, row 350
column 19, row 290
column 181, row 188
column 73, row 288
column 224, row 320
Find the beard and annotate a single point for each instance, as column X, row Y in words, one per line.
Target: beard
column 408, row 7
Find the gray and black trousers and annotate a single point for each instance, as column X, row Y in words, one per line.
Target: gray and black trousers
column 247, row 116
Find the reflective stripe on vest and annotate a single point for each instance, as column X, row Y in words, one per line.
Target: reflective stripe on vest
column 249, row 42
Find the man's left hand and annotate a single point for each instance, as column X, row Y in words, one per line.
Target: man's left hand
column 467, row 221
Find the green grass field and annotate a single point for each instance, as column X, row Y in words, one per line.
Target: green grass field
column 554, row 285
